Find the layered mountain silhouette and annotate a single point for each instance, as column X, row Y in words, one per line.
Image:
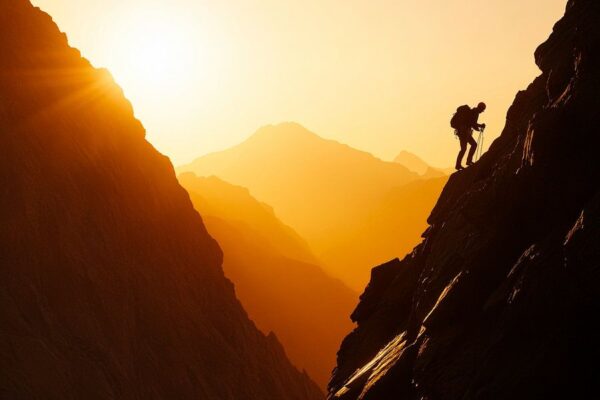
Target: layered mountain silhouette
column 391, row 228
column 499, row 300
column 275, row 275
column 416, row 164
column 303, row 176
column 325, row 190
column 110, row 285
column 216, row 198
column 412, row 162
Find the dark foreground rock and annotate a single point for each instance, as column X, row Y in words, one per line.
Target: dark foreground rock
column 501, row 298
column 110, row 286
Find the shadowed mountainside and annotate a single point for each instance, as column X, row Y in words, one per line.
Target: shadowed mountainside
column 110, row 286
column 499, row 300
column 275, row 276
column 325, row 190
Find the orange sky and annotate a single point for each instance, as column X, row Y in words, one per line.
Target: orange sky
column 380, row 75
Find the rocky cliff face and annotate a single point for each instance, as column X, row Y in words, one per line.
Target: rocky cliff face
column 499, row 300
column 110, row 286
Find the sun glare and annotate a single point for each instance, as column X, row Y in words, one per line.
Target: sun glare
column 154, row 51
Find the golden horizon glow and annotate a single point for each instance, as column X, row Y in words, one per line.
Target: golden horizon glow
column 382, row 76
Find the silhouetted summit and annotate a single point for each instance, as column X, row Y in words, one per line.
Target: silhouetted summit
column 501, row 298
column 110, row 286
column 321, row 188
column 301, row 175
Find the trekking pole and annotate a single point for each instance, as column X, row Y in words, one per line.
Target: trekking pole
column 480, row 141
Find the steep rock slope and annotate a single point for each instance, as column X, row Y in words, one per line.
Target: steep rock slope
column 276, row 278
column 499, row 300
column 110, row 286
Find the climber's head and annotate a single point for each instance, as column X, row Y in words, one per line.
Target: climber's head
column 481, row 107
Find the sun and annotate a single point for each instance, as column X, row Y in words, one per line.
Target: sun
column 154, row 50
column 157, row 54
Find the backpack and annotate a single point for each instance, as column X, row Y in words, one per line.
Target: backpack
column 460, row 119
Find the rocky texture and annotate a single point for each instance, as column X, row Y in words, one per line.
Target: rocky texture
column 500, row 299
column 276, row 277
column 110, row 286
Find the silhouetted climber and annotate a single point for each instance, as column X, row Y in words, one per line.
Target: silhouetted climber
column 463, row 122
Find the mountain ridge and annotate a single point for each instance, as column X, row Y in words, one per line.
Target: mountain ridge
column 319, row 187
column 295, row 298
column 416, row 164
column 219, row 198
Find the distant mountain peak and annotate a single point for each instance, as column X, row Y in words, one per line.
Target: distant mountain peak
column 416, row 164
column 286, row 129
column 291, row 125
column 320, row 187
column 411, row 161
column 408, row 153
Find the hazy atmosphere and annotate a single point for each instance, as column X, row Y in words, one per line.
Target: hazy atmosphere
column 299, row 200
column 382, row 76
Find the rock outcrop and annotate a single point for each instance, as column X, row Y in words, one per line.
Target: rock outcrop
column 110, row 286
column 500, row 299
